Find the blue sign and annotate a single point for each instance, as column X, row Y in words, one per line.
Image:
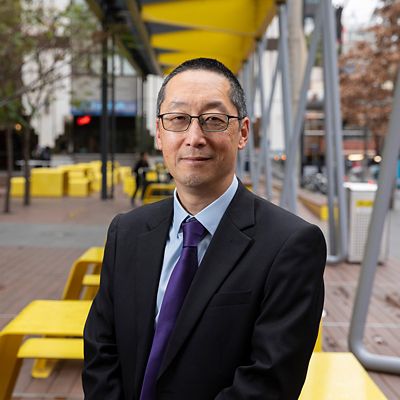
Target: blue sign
column 93, row 107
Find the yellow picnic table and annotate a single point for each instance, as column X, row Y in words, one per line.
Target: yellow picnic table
column 92, row 257
column 55, row 318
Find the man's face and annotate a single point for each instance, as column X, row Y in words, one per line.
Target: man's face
column 197, row 159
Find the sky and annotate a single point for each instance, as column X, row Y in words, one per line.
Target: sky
column 356, row 12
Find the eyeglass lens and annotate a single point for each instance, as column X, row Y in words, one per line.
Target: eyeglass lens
column 179, row 122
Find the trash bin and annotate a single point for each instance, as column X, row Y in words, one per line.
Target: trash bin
column 360, row 201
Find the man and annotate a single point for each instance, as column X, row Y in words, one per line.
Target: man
column 139, row 173
column 247, row 323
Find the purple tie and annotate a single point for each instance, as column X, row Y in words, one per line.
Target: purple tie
column 178, row 285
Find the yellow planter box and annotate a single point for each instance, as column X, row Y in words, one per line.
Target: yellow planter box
column 48, row 182
column 78, row 187
column 129, row 185
column 17, row 186
column 96, row 183
column 125, row 172
column 76, row 174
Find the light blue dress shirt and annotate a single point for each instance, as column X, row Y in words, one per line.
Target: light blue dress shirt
column 209, row 217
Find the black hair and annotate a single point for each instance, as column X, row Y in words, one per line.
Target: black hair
column 236, row 92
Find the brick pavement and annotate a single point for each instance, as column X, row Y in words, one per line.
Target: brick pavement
column 38, row 245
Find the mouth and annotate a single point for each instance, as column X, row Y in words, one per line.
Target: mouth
column 195, row 159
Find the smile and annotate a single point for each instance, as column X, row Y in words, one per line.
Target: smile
column 195, row 159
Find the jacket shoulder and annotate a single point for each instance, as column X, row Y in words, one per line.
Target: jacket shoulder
column 144, row 217
column 277, row 218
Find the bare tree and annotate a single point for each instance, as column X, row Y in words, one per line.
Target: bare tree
column 12, row 46
column 40, row 40
column 368, row 72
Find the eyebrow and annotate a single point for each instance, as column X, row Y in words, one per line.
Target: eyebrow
column 216, row 104
column 210, row 104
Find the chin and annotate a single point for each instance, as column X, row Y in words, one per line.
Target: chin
column 192, row 180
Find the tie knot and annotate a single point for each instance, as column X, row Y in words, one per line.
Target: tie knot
column 193, row 232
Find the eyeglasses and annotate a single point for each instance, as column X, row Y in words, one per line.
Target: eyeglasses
column 209, row 122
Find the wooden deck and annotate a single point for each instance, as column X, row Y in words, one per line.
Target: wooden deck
column 29, row 272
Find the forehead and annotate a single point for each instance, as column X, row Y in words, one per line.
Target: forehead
column 194, row 86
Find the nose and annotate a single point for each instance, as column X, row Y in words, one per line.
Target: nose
column 194, row 135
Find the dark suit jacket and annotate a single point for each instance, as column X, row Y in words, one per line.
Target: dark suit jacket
column 248, row 324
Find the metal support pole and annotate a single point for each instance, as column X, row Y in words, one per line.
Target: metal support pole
column 104, row 115
column 329, row 156
column 249, row 87
column 332, row 90
column 244, row 154
column 286, row 95
column 138, row 125
column 113, row 126
column 375, row 232
column 299, row 119
column 241, row 154
column 264, row 155
column 143, row 115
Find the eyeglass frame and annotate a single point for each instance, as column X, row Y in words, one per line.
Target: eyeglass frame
column 160, row 116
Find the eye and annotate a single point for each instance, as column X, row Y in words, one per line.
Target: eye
column 214, row 118
column 179, row 117
column 176, row 117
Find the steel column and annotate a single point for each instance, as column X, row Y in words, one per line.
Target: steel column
column 286, row 202
column 113, row 121
column 241, row 154
column 250, row 92
column 329, row 156
column 104, row 115
column 299, row 119
column 264, row 155
column 386, row 178
column 332, row 91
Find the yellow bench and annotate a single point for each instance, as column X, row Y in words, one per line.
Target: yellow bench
column 91, row 280
column 52, row 349
column 74, row 289
column 338, row 376
column 47, row 351
column 51, row 318
column 92, row 257
column 158, row 191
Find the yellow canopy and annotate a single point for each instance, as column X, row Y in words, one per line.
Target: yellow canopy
column 223, row 29
column 160, row 34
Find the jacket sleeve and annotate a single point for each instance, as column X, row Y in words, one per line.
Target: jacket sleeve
column 101, row 375
column 287, row 325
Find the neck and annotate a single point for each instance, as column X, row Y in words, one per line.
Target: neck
column 196, row 199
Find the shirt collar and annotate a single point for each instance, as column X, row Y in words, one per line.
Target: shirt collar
column 210, row 216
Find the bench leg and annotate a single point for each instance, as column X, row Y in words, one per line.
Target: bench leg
column 9, row 364
column 42, row 368
column 90, row 292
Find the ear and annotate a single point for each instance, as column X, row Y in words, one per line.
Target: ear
column 158, row 134
column 244, row 133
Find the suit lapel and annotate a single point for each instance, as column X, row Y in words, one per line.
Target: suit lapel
column 148, row 263
column 215, row 267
